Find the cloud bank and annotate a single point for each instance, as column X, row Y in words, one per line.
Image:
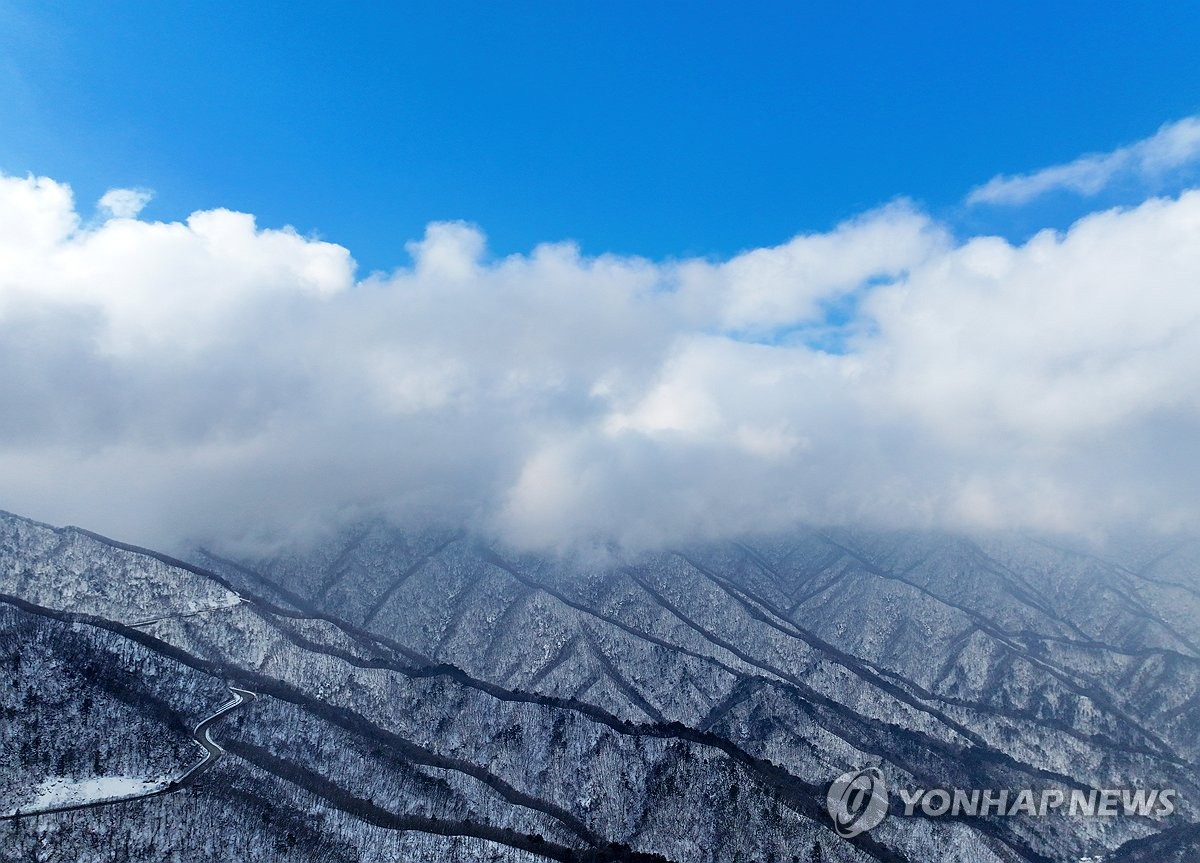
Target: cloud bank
column 213, row 380
column 1174, row 146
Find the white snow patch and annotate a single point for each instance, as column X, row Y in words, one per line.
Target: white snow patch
column 57, row 791
column 228, row 600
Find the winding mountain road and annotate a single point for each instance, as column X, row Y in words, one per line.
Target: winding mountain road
column 201, row 735
column 212, row 751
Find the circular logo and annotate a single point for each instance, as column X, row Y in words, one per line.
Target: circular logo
column 857, row 801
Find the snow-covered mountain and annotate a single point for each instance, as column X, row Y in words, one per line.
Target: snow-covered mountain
column 423, row 695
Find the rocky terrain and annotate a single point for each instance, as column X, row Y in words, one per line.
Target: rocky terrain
column 426, row 695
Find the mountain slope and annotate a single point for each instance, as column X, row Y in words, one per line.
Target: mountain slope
column 422, row 695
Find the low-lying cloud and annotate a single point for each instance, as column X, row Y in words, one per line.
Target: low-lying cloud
column 213, row 380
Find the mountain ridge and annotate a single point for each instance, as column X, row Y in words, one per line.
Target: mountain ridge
column 731, row 672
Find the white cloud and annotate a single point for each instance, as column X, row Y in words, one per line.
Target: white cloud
column 764, row 289
column 209, row 378
column 124, row 203
column 168, row 288
column 1172, row 147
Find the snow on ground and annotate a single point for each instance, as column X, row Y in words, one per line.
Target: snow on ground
column 59, row 791
column 229, row 600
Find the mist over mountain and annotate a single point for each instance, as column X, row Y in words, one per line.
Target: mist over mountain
column 212, row 380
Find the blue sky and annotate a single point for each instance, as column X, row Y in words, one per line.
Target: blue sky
column 662, row 129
